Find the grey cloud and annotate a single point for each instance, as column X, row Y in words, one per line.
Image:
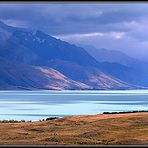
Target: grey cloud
column 113, row 40
column 82, row 18
column 54, row 17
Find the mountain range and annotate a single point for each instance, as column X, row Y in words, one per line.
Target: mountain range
column 32, row 59
column 132, row 70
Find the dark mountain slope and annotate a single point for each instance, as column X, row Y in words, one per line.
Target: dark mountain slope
column 20, row 76
column 120, row 65
column 34, row 49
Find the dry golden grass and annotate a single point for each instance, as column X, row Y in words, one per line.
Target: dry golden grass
column 131, row 128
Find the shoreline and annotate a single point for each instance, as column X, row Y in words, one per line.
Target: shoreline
column 55, row 117
column 69, row 90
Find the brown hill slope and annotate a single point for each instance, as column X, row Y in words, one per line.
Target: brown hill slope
column 16, row 75
column 112, row 129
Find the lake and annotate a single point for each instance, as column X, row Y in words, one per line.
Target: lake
column 36, row 105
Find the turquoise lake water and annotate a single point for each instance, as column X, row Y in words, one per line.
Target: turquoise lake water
column 36, row 105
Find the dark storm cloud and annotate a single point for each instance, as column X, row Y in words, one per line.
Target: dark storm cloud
column 123, row 26
column 70, row 18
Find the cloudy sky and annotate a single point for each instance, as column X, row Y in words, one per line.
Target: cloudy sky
column 115, row 26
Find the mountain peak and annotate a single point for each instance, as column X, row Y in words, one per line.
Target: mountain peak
column 2, row 24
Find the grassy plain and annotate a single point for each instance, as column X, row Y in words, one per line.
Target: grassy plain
column 101, row 129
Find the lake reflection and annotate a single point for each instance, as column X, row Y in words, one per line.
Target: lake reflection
column 36, row 105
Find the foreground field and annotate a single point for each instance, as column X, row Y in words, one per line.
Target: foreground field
column 101, row 129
